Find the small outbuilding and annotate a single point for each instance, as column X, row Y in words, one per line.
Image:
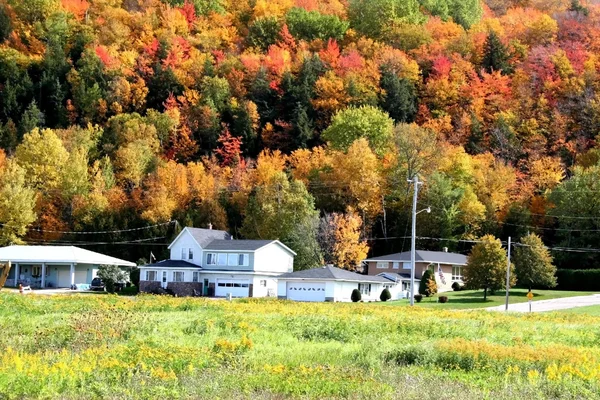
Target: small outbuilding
column 54, row 266
column 329, row 283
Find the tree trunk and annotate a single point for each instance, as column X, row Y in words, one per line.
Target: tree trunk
column 484, row 294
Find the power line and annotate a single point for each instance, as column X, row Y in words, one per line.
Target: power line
column 555, row 216
column 549, row 229
column 558, row 248
column 100, row 232
column 67, row 243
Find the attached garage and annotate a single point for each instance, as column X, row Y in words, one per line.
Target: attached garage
column 329, row 283
column 237, row 287
column 305, row 291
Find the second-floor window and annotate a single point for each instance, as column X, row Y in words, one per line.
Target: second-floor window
column 190, row 254
column 183, row 253
column 406, row 265
column 382, row 264
column 222, row 259
column 211, row 259
column 232, row 259
column 396, row 265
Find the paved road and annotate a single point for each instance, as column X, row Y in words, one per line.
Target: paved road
column 551, row 305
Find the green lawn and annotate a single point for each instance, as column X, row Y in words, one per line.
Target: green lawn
column 589, row 310
column 467, row 299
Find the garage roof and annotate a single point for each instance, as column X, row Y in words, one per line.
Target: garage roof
column 329, row 272
column 57, row 254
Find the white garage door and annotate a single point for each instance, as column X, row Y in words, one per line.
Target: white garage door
column 81, row 277
column 237, row 287
column 64, row 278
column 306, row 291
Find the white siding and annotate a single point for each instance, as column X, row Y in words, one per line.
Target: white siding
column 186, row 241
column 263, row 291
column 273, row 258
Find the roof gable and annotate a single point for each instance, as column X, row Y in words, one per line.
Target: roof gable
column 244, row 245
column 202, row 236
column 171, row 264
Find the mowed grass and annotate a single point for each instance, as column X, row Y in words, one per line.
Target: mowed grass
column 149, row 347
column 588, row 310
column 471, row 299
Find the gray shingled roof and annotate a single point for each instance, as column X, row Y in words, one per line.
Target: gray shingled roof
column 329, row 272
column 171, row 264
column 241, row 245
column 393, row 276
column 425, row 256
column 205, row 236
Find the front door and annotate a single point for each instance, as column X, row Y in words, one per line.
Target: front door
column 205, row 287
column 163, row 282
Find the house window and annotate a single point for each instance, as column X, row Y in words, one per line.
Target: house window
column 364, row 288
column 232, row 259
column 151, row 276
column 406, row 265
column 196, row 276
column 177, row 276
column 243, row 260
column 211, row 259
column 183, row 253
column 190, row 254
column 263, row 283
column 457, row 273
column 396, row 265
column 36, row 271
column 222, row 259
column 382, row 265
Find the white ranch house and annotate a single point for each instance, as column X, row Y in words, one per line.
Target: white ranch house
column 54, row 266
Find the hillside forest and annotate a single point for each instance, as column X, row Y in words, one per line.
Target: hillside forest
column 301, row 120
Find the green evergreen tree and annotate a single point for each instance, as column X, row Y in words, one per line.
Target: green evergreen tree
column 400, row 99
column 495, row 55
column 32, row 118
column 356, row 296
column 428, row 286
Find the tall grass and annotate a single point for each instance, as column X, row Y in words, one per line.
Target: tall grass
column 162, row 347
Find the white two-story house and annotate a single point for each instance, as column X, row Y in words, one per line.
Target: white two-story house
column 210, row 262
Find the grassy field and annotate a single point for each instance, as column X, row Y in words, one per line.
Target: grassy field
column 468, row 299
column 148, row 347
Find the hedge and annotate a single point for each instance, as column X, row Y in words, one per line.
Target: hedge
column 578, row 279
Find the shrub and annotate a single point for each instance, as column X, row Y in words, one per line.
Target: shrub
column 385, row 295
column 457, row 287
column 418, row 297
column 443, row 299
column 428, row 287
column 134, row 276
column 111, row 275
column 356, row 296
column 578, row 279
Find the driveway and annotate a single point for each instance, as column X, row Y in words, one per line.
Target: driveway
column 552, row 304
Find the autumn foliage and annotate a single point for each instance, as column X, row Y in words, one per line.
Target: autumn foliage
column 195, row 111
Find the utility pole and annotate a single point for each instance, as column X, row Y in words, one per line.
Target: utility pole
column 413, row 238
column 507, row 275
